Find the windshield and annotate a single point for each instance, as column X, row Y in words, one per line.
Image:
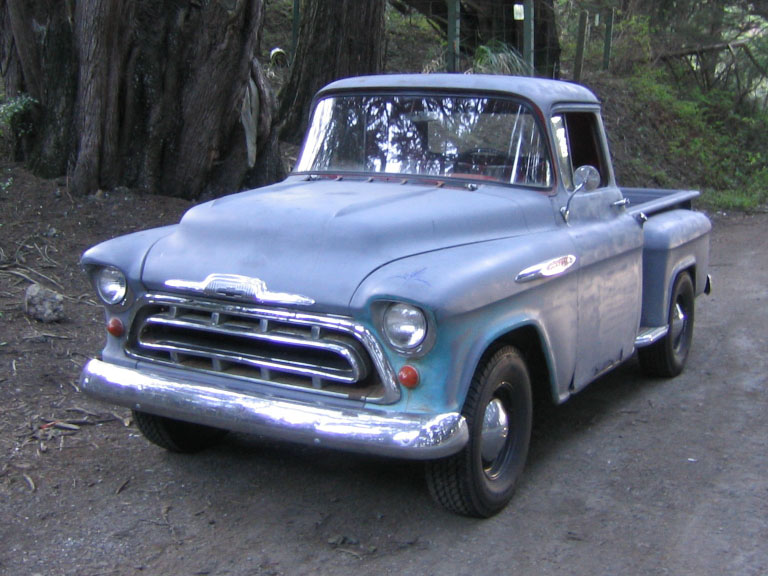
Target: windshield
column 445, row 136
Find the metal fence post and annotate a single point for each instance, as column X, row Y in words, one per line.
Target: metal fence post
column 528, row 34
column 454, row 18
column 582, row 41
column 608, row 39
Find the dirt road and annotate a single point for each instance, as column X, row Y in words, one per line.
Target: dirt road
column 632, row 476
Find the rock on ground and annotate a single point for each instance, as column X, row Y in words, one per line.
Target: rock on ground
column 43, row 304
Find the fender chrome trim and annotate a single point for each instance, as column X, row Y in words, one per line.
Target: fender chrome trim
column 363, row 430
column 547, row 269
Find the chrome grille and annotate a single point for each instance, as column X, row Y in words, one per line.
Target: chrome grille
column 327, row 354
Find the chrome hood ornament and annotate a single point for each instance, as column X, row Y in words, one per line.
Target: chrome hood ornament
column 237, row 286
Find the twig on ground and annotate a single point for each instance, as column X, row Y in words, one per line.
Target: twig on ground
column 46, row 335
column 44, row 255
column 51, row 280
column 28, row 279
column 30, row 482
column 122, row 486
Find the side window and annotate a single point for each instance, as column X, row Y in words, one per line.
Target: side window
column 577, row 137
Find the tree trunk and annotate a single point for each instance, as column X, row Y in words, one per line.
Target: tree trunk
column 336, row 39
column 36, row 54
column 163, row 96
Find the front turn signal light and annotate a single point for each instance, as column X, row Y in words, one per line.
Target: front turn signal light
column 115, row 327
column 408, row 376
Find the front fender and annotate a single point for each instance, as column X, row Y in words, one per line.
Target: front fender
column 128, row 254
column 473, row 297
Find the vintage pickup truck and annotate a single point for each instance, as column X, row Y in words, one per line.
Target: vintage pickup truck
column 446, row 246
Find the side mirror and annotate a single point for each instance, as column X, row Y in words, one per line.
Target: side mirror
column 584, row 178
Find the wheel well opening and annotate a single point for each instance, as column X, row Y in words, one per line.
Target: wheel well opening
column 691, row 270
column 528, row 342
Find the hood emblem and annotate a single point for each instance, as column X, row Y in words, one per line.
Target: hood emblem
column 237, row 286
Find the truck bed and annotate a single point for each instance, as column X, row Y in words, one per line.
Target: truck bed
column 654, row 200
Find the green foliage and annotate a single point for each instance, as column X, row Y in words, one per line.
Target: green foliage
column 413, row 45
column 6, row 185
column 14, row 117
column 713, row 143
column 632, row 41
column 630, row 37
column 500, row 58
column 15, row 122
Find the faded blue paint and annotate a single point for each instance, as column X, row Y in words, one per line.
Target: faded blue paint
column 675, row 241
column 453, row 249
column 337, row 231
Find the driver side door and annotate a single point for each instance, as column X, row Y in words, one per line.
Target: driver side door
column 609, row 246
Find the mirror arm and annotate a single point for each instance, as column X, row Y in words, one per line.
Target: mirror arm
column 585, row 177
column 565, row 211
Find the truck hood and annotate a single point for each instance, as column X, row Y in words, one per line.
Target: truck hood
column 317, row 240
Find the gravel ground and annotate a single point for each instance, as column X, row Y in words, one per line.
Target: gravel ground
column 631, row 476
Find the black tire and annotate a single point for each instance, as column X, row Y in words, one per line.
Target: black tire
column 472, row 483
column 667, row 357
column 175, row 435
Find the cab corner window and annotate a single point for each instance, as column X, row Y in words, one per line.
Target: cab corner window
column 577, row 142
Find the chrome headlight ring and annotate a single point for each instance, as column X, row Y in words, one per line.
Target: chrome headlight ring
column 405, row 327
column 111, row 285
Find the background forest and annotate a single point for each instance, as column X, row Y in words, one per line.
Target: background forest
column 198, row 99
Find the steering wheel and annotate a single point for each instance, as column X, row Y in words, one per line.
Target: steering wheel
column 482, row 156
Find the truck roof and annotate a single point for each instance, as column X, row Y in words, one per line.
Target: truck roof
column 543, row 92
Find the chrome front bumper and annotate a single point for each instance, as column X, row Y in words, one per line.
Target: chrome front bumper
column 413, row 436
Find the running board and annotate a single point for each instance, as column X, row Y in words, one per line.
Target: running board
column 648, row 336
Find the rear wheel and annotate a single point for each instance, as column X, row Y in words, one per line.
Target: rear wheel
column 480, row 480
column 175, row 435
column 667, row 357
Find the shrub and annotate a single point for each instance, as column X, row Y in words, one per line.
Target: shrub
column 15, row 121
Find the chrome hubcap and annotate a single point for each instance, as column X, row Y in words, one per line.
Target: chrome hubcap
column 677, row 325
column 495, row 430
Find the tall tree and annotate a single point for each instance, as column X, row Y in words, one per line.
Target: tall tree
column 165, row 96
column 336, row 39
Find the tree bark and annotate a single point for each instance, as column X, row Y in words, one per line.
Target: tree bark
column 146, row 94
column 336, row 39
column 36, row 52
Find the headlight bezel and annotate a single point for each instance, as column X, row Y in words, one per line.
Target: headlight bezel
column 106, row 276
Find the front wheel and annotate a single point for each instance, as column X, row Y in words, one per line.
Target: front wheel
column 667, row 357
column 175, row 435
column 480, row 480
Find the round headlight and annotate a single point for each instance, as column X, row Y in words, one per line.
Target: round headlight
column 405, row 326
column 110, row 283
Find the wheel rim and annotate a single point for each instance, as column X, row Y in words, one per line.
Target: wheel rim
column 678, row 327
column 495, row 437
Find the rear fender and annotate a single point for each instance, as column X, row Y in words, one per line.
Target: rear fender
column 675, row 241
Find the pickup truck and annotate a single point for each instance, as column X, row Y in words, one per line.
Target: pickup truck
column 446, row 247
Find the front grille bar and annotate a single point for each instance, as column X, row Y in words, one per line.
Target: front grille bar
column 351, row 364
